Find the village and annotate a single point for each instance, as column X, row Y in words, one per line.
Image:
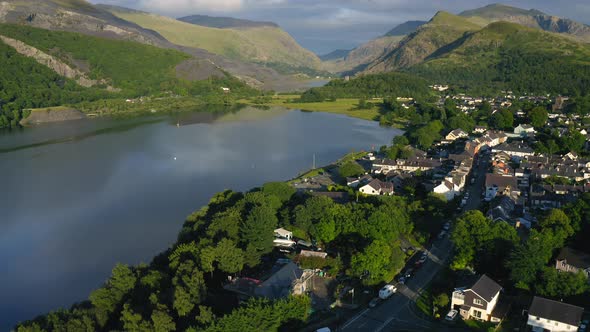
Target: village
column 494, row 171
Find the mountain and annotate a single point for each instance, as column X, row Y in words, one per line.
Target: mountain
column 358, row 58
column 225, row 22
column 531, row 18
column 335, row 55
column 508, row 55
column 405, row 28
column 75, row 16
column 363, row 54
column 262, row 44
column 441, row 31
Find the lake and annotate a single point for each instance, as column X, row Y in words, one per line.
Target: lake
column 79, row 196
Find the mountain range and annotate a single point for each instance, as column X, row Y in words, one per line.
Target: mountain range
column 263, row 55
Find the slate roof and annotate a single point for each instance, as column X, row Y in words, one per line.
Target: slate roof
column 279, row 284
column 501, row 181
column 486, row 288
column 556, row 311
column 574, row 257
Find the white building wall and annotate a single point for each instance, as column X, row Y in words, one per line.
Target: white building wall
column 542, row 324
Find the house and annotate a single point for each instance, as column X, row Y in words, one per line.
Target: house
column 517, row 149
column 571, row 260
column 524, row 130
column 447, row 189
column 225, row 90
column 478, row 300
column 455, row 135
column 479, row 130
column 499, row 184
column 283, row 234
column 336, row 196
column 549, row 315
column 352, row 182
column 502, row 210
column 377, row 187
column 288, row 279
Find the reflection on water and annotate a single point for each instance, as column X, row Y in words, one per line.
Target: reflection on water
column 97, row 192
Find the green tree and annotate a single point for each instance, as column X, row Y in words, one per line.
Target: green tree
column 162, row 320
column 529, row 258
column 257, row 232
column 107, row 298
column 538, row 117
column 282, row 190
column 502, row 119
column 350, row 169
column 372, row 264
column 553, row 283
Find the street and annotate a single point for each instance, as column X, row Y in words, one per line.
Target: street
column 397, row 313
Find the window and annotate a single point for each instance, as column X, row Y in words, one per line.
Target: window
column 477, row 313
column 477, row 301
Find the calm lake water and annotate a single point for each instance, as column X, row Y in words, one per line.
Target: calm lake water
column 79, row 196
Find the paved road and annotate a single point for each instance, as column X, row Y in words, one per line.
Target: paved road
column 397, row 313
column 396, row 310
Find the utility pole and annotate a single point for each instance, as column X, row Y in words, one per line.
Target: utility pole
column 313, row 167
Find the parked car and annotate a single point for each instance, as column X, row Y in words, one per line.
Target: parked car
column 387, row 291
column 447, row 226
column 374, row 302
column 408, row 273
column 451, row 315
column 324, row 329
column 423, row 258
column 401, row 280
column 442, row 234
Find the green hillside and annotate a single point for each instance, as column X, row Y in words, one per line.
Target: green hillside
column 443, row 29
column 507, row 55
column 530, row 18
column 257, row 44
column 133, row 69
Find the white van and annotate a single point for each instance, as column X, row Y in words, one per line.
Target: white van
column 387, row 291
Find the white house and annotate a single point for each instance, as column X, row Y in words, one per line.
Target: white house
column 524, row 130
column 377, row 187
column 283, row 234
column 478, row 300
column 549, row 315
column 456, row 134
column 447, row 189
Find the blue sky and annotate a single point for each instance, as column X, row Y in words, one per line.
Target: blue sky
column 325, row 25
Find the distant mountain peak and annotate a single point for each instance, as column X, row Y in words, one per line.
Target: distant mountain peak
column 405, row 28
column 500, row 10
column 225, row 22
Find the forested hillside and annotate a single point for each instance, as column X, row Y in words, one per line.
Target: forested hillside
column 510, row 56
column 180, row 289
column 133, row 69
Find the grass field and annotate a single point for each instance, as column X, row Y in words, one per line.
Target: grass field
column 340, row 106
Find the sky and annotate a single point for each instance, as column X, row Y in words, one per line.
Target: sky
column 325, row 25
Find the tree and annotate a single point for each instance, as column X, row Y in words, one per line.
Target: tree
column 162, row 320
column 559, row 224
column 553, row 283
column 400, row 140
column 372, row 263
column 282, row 190
column 502, row 119
column 440, row 301
column 107, row 298
column 350, row 169
column 529, row 258
column 538, row 117
column 257, row 232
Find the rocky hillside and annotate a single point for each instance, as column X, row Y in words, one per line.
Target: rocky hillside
column 405, row 28
column 440, row 32
column 531, row 18
column 357, row 59
column 261, row 44
column 75, row 16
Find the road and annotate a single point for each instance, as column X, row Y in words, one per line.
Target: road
column 397, row 313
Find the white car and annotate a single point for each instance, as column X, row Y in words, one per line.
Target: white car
column 451, row 315
column 387, row 291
